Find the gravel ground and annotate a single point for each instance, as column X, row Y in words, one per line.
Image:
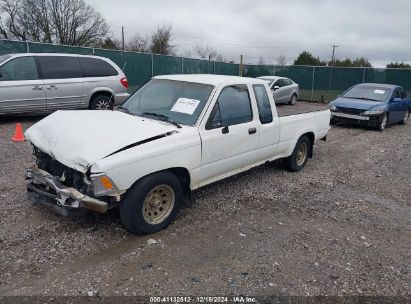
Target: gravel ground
column 339, row 227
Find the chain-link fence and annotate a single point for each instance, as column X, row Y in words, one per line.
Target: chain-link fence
column 316, row 83
column 326, row 83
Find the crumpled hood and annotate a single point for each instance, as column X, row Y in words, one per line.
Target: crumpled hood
column 355, row 103
column 78, row 139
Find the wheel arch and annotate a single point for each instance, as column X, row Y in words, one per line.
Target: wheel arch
column 184, row 177
column 105, row 92
column 311, row 137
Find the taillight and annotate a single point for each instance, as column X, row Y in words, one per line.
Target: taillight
column 124, row 82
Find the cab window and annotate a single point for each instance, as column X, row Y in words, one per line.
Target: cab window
column 233, row 107
column 22, row 68
column 263, row 103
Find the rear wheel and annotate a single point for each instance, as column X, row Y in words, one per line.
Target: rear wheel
column 152, row 203
column 298, row 159
column 383, row 122
column 293, row 100
column 101, row 102
column 405, row 119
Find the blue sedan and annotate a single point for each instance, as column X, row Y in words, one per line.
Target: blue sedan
column 372, row 104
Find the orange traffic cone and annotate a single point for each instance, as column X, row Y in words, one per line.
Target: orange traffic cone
column 18, row 134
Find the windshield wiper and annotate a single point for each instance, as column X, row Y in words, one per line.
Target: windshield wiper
column 125, row 110
column 161, row 117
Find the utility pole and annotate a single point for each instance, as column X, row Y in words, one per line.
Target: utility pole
column 333, row 55
column 122, row 38
column 241, row 66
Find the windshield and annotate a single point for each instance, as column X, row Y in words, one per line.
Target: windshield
column 372, row 93
column 4, row 58
column 179, row 101
column 269, row 81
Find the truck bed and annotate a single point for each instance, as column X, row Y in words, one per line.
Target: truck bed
column 299, row 108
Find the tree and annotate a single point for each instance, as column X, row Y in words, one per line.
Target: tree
column 161, row 41
column 110, row 44
column 306, row 58
column 399, row 65
column 219, row 58
column 281, row 60
column 138, row 43
column 357, row 62
column 205, row 51
column 69, row 22
column 361, row 62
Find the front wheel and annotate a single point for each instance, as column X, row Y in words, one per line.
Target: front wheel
column 298, row 159
column 383, row 122
column 152, row 203
column 293, row 100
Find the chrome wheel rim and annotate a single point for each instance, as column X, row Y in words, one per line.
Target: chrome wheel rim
column 302, row 154
column 384, row 122
column 102, row 104
column 158, row 204
column 407, row 115
column 293, row 100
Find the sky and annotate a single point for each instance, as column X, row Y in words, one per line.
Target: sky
column 379, row 30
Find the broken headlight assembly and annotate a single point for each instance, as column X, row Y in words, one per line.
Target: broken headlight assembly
column 103, row 185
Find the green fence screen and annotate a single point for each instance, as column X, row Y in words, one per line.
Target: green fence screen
column 316, row 83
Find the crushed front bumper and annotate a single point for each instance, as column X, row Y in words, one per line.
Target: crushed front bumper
column 369, row 121
column 47, row 189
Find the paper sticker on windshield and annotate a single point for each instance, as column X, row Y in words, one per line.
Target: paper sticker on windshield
column 382, row 92
column 185, row 105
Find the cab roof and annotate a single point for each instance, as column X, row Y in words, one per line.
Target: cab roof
column 212, row 79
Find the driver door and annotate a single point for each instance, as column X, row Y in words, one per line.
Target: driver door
column 231, row 135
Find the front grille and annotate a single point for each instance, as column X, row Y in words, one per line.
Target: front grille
column 68, row 176
column 350, row 111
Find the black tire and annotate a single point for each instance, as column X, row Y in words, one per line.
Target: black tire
column 293, row 100
column 131, row 208
column 333, row 121
column 382, row 122
column 101, row 102
column 293, row 163
column 405, row 119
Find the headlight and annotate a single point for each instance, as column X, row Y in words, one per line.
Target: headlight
column 333, row 108
column 102, row 185
column 373, row 112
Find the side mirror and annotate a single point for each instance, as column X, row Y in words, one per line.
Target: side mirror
column 397, row 99
column 275, row 88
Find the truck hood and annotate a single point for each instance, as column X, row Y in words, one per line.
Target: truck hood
column 78, row 139
column 355, row 103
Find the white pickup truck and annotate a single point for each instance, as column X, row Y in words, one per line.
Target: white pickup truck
column 175, row 134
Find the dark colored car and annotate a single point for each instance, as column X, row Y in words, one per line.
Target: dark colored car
column 372, row 104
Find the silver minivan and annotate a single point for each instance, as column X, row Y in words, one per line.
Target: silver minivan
column 41, row 83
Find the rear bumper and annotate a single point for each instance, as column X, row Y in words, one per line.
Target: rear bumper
column 120, row 98
column 44, row 188
column 371, row 121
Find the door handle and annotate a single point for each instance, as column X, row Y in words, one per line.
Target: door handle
column 252, row 130
column 37, row 88
column 52, row 87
